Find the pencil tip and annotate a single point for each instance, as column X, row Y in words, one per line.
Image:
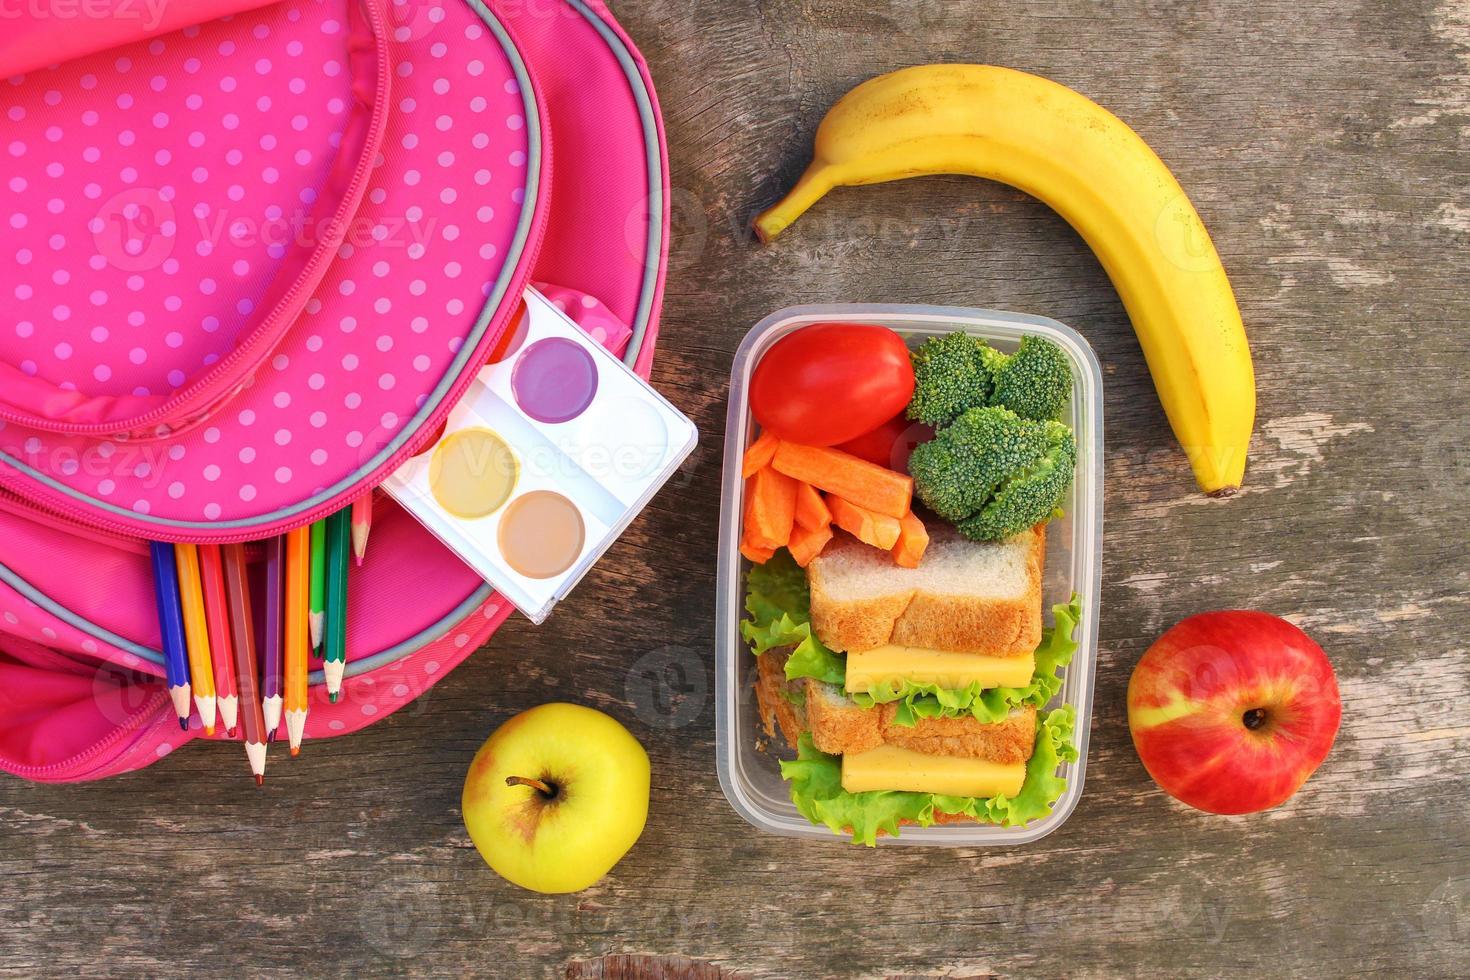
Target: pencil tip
column 184, row 724
column 334, row 696
column 259, row 779
column 230, row 732
column 295, row 751
column 209, row 730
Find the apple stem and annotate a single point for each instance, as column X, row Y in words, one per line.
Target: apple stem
column 539, row 785
column 1254, row 718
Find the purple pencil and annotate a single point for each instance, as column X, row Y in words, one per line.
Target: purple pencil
column 271, row 677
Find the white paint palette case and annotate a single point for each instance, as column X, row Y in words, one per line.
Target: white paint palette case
column 553, row 450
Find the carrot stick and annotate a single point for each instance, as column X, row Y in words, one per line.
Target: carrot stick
column 770, row 508
column 862, row 483
column 758, row 456
column 811, row 509
column 878, row 530
column 807, row 543
column 913, row 538
column 756, row 554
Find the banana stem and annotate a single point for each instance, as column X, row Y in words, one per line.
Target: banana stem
column 814, row 182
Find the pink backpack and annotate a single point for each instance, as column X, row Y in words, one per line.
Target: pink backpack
column 253, row 254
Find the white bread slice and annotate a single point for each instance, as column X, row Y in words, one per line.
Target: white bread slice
column 839, row 726
column 965, row 596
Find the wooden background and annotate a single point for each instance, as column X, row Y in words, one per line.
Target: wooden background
column 1324, row 141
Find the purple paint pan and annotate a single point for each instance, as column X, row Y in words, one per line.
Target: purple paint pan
column 554, row 380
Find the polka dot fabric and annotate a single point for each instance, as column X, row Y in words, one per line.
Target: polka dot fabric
column 150, row 195
column 163, row 196
column 81, row 695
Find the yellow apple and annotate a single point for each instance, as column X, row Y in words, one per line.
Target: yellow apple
column 556, row 796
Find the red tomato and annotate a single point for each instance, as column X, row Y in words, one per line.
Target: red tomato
column 891, row 444
column 831, row 382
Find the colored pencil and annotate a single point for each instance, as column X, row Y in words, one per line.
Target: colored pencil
column 298, row 633
column 362, row 525
column 171, row 625
column 242, row 635
column 196, row 632
column 318, row 581
column 334, row 634
column 275, row 628
column 221, row 650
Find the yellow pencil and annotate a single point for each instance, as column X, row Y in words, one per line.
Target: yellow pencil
column 196, row 632
column 298, row 632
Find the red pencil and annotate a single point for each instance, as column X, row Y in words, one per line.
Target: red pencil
column 362, row 525
column 242, row 631
column 221, row 650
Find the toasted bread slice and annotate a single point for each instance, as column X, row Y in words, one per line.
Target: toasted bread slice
column 965, row 597
column 839, row 726
column 777, row 710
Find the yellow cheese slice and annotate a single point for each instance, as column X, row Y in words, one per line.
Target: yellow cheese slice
column 872, row 668
column 889, row 767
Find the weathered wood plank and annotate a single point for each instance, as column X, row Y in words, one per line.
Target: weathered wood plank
column 1326, row 146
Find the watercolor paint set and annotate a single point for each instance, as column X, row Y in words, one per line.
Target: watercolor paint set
column 553, row 450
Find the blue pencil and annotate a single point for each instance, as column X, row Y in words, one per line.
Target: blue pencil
column 171, row 625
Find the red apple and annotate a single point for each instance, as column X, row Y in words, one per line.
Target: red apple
column 1232, row 711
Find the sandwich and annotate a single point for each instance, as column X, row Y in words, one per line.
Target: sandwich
column 914, row 696
column 895, row 587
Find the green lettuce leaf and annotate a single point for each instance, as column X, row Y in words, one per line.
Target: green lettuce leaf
column 816, row 789
column 779, row 604
column 988, row 705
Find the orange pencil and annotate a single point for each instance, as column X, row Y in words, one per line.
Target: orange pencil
column 362, row 525
column 196, row 633
column 298, row 633
column 221, row 649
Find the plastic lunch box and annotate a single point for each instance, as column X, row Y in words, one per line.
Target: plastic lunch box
column 751, row 778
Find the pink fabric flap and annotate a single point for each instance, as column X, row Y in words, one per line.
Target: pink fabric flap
column 31, row 400
column 54, row 32
column 230, row 133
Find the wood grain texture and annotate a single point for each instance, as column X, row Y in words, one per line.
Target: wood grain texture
column 1325, row 144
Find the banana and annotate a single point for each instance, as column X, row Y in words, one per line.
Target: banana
column 1087, row 165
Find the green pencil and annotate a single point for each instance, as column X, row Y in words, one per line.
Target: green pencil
column 318, row 581
column 334, row 634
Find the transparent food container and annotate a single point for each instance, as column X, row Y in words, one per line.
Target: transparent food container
column 750, row 777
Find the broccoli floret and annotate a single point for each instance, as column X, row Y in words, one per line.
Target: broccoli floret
column 950, row 376
column 958, row 471
column 1030, row 496
column 993, row 473
column 1034, row 382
